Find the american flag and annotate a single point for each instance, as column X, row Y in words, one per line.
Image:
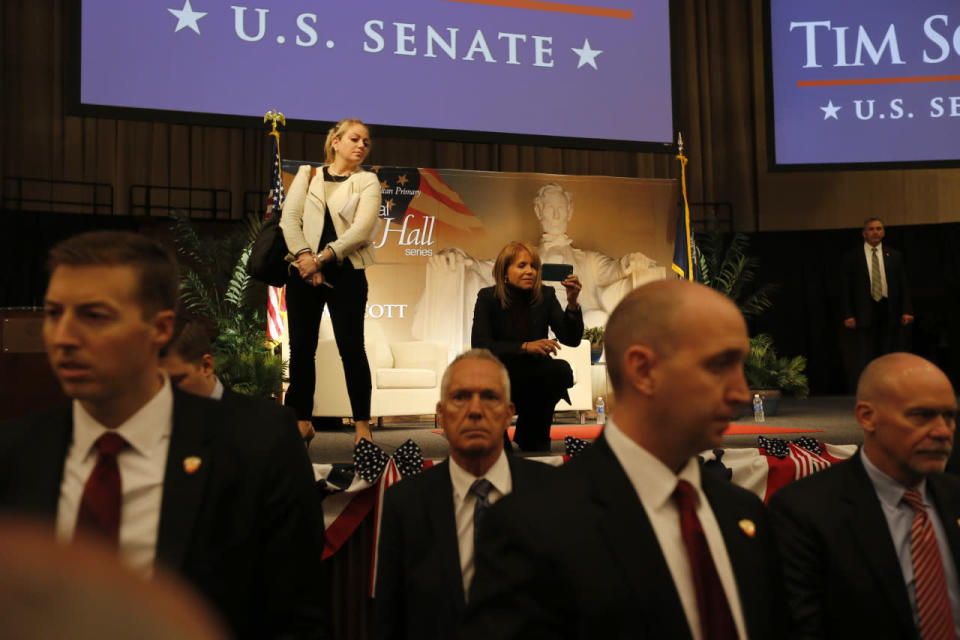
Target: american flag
column 276, row 300
column 790, row 461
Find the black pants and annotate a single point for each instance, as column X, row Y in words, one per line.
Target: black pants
column 537, row 383
column 347, row 301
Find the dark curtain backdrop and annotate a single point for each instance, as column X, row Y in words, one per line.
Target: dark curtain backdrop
column 805, row 319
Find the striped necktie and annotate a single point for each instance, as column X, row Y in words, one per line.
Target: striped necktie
column 933, row 603
column 480, row 488
column 876, row 283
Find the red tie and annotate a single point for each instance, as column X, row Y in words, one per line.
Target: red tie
column 933, row 603
column 716, row 621
column 99, row 512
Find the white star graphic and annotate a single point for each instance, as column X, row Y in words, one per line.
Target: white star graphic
column 187, row 17
column 830, row 111
column 587, row 55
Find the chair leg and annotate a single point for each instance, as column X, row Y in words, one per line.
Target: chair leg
column 583, row 417
column 379, row 422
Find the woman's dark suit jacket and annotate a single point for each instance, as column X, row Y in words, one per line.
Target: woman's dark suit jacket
column 493, row 325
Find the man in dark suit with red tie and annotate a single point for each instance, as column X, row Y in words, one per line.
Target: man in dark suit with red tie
column 870, row 546
column 631, row 539
column 874, row 296
column 220, row 496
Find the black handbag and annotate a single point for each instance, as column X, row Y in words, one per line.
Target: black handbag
column 267, row 262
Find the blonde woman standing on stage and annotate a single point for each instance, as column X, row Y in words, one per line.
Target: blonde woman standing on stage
column 329, row 218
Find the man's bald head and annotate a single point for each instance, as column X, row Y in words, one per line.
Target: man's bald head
column 675, row 354
column 888, row 374
column 653, row 315
column 907, row 408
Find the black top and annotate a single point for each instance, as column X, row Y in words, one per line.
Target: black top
column 332, row 269
column 502, row 331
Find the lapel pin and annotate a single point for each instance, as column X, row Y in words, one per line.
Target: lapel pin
column 748, row 527
column 191, row 464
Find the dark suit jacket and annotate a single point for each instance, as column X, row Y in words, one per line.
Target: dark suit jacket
column 840, row 567
column 580, row 559
column 855, row 300
column 419, row 584
column 243, row 528
column 493, row 325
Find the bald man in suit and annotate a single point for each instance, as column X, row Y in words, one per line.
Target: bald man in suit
column 845, row 533
column 630, row 539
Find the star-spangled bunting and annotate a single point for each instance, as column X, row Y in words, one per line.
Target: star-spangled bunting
column 409, row 458
column 780, row 448
column 574, row 446
column 369, row 460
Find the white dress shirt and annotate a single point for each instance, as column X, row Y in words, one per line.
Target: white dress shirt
column 217, row 393
column 655, row 484
column 899, row 516
column 142, row 465
column 464, row 501
column 868, row 253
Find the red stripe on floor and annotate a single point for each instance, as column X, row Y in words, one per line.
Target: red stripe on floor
column 591, row 431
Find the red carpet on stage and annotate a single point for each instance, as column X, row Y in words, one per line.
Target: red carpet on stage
column 591, row 431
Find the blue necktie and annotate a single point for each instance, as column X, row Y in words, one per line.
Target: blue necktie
column 480, row 488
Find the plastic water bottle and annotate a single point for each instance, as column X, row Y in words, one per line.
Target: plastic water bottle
column 758, row 408
column 601, row 410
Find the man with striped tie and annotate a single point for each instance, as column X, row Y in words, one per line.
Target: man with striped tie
column 874, row 297
column 429, row 524
column 870, row 546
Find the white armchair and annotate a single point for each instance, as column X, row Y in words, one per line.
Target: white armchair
column 405, row 376
column 581, row 393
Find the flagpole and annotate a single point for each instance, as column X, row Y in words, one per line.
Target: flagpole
column 275, row 302
column 273, row 117
column 686, row 205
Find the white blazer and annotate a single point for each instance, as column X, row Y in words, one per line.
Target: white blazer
column 354, row 209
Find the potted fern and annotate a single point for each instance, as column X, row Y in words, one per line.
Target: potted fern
column 771, row 375
column 595, row 336
column 215, row 287
column 725, row 266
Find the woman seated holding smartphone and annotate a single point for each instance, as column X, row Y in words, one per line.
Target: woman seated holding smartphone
column 511, row 320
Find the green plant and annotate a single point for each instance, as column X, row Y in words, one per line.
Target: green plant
column 594, row 335
column 215, row 287
column 725, row 266
column 765, row 370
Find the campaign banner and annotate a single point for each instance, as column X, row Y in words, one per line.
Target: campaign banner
column 596, row 69
column 865, row 81
column 442, row 228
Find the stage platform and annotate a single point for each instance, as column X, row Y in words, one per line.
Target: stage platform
column 831, row 415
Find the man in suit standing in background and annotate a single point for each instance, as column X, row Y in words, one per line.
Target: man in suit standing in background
column 426, row 559
column 870, row 546
column 874, row 298
column 630, row 539
column 188, row 360
column 223, row 498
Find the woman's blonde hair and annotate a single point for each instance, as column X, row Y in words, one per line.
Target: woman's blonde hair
column 507, row 255
column 337, row 131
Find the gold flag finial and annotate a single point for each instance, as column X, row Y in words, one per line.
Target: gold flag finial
column 273, row 117
column 680, row 142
